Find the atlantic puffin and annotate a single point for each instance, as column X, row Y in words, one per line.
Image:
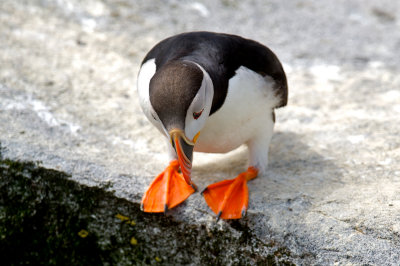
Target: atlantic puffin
column 210, row 92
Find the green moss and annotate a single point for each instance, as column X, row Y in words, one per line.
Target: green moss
column 46, row 218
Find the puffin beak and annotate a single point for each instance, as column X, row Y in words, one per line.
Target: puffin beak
column 184, row 149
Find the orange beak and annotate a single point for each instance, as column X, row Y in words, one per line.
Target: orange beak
column 184, row 150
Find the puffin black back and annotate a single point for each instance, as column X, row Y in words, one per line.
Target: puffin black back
column 221, row 55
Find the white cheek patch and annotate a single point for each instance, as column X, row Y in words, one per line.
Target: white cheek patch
column 198, row 101
column 202, row 101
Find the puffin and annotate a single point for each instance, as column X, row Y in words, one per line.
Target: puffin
column 210, row 92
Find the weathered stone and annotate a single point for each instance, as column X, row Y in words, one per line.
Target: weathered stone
column 331, row 194
column 48, row 219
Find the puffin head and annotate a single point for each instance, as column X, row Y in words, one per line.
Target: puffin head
column 181, row 94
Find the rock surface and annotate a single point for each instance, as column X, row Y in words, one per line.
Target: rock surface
column 331, row 194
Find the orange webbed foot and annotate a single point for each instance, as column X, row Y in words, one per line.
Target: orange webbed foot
column 167, row 190
column 229, row 198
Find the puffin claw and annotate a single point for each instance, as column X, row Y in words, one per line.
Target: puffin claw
column 194, row 187
column 219, row 215
column 203, row 191
column 244, row 212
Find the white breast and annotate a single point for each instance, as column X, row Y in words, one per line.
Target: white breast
column 246, row 113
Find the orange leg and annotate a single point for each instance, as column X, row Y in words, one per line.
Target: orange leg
column 229, row 198
column 167, row 190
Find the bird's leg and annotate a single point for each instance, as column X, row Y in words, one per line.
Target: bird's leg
column 229, row 198
column 167, row 190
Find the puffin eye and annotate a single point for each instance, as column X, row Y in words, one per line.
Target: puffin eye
column 196, row 115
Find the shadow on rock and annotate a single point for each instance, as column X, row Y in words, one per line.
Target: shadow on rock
column 293, row 164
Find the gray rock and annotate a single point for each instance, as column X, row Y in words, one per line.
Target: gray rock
column 331, row 194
